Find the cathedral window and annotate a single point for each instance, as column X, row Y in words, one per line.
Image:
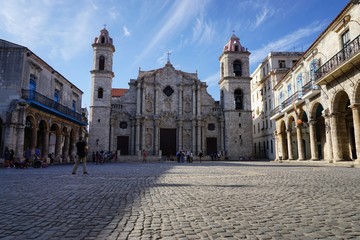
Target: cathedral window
column 168, row 91
column 102, row 39
column 102, row 63
column 123, row 125
column 237, row 68
column 211, row 127
column 100, row 92
column 238, row 99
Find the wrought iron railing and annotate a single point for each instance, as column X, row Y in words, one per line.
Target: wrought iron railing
column 41, row 100
column 297, row 95
column 344, row 54
column 309, row 86
column 276, row 110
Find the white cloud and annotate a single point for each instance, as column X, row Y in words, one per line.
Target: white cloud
column 126, row 31
column 287, row 42
column 176, row 19
column 203, row 33
column 213, row 79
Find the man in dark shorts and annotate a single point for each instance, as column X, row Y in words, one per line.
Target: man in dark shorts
column 81, row 147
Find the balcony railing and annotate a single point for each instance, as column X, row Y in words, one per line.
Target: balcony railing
column 343, row 55
column 309, row 86
column 276, row 110
column 296, row 96
column 40, row 100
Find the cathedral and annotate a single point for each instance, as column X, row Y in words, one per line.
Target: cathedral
column 166, row 110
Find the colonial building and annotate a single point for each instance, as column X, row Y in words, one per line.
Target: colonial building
column 318, row 101
column 166, row 110
column 39, row 108
column 269, row 72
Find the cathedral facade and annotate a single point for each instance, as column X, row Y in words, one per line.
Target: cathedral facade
column 166, row 110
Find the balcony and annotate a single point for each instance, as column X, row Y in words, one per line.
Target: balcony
column 310, row 89
column 296, row 99
column 343, row 61
column 39, row 101
column 276, row 112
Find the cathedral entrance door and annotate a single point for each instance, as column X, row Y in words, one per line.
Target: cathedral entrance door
column 211, row 145
column 123, row 145
column 168, row 141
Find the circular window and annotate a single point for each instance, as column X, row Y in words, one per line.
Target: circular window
column 123, row 125
column 211, row 127
column 168, row 91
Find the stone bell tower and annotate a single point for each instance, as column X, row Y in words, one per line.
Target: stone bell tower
column 101, row 85
column 235, row 98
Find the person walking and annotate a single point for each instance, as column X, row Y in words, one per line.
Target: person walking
column 144, row 156
column 81, row 147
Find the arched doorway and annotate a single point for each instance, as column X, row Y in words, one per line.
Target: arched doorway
column 29, row 133
column 319, row 129
column 305, row 135
column 343, row 128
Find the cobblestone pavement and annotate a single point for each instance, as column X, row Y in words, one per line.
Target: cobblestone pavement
column 211, row 200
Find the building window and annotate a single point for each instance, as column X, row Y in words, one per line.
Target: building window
column 102, row 63
column 123, row 125
column 270, row 104
column 237, row 68
column 270, row 124
column 293, row 62
column 258, row 127
column 168, row 91
column 100, row 93
column 238, row 98
column 74, row 105
column 236, row 48
column 299, row 81
column 56, row 95
column 211, row 127
column 271, row 144
column 282, row 64
column 345, row 37
column 222, row 69
column 313, row 67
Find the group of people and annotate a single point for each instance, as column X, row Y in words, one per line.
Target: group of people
column 30, row 160
column 187, row 156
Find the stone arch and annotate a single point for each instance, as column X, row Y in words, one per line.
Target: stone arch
column 319, row 128
column 237, row 68
column 342, row 127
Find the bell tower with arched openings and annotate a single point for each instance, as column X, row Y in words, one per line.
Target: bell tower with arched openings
column 101, row 85
column 235, row 98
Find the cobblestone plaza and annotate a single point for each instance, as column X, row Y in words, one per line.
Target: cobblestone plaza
column 167, row 200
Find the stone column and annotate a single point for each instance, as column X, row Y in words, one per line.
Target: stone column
column 33, row 140
column 193, row 127
column 277, row 137
column 313, row 141
column 156, row 136
column 194, row 100
column 58, row 145
column 222, row 148
column 20, row 141
column 300, row 143
column 290, row 150
column 180, row 100
column 137, row 137
column 180, row 137
column 198, row 103
column 336, row 144
column 46, row 143
column 138, row 97
column 198, row 136
column 66, row 148
column 133, row 137
column 356, row 121
column 328, row 150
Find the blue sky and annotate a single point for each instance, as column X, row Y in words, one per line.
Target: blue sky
column 194, row 31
